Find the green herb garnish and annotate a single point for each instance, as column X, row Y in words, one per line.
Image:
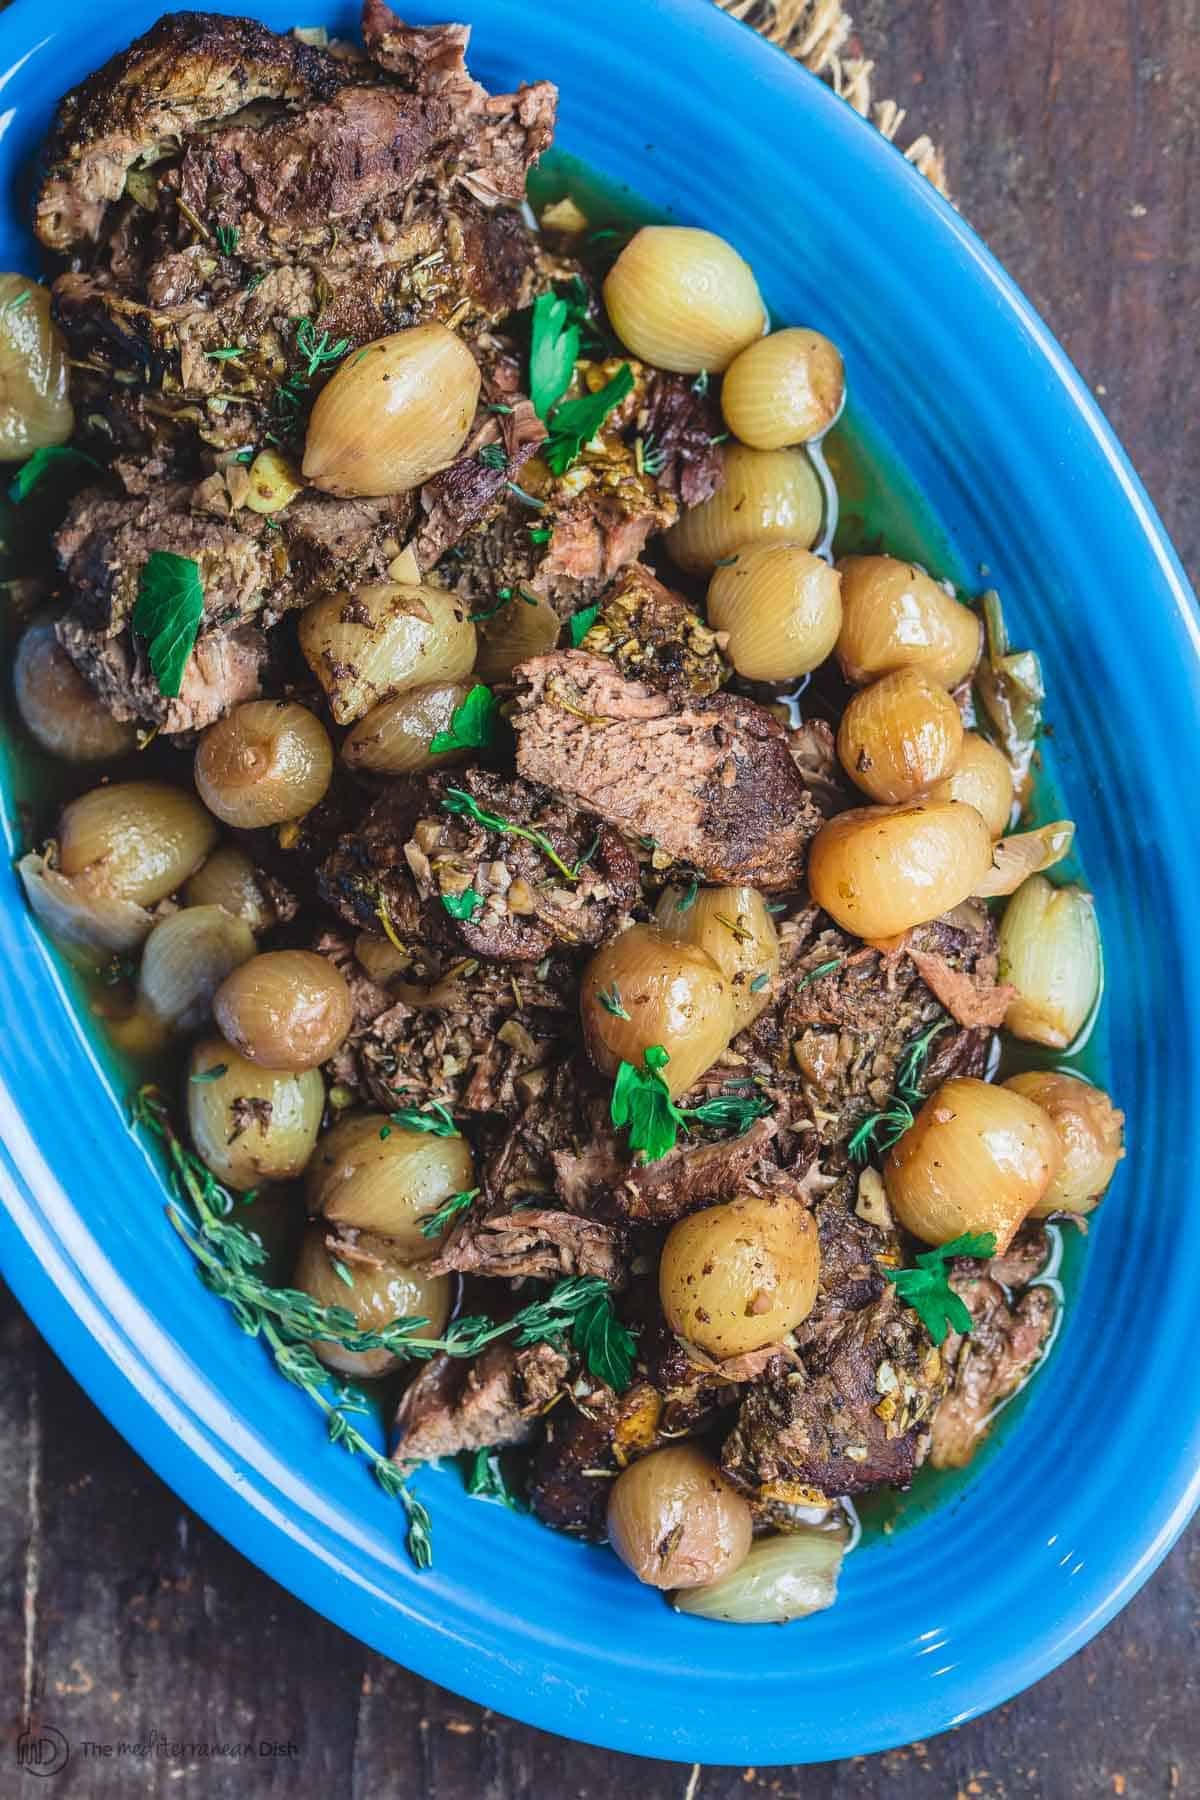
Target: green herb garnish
column 227, row 238
column 472, row 723
column 437, row 1119
column 434, row 1223
column 494, row 456
column 55, row 458
column 759, row 982
column 575, row 423
column 553, row 348
column 642, row 1101
column 825, row 968
column 318, row 352
column 880, row 1130
column 230, row 353
column 581, row 623
column 927, row 1287
column 167, row 615
column 540, row 534
column 214, row 1073
column 486, row 1479
column 912, row 1064
column 341, row 1271
column 688, row 898
column 464, row 905
column 15, row 304
column 610, row 1000
column 725, row 1112
column 456, row 801
column 526, row 499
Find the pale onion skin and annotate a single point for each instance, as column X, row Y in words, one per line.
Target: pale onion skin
column 274, row 480
column 276, row 1148
column 736, row 1277
column 767, row 495
column 785, row 389
column 782, row 609
column 784, row 1577
column 735, row 927
column 1049, row 946
column 982, row 777
column 229, row 879
column 264, row 763
column 683, row 299
column 133, row 840
column 896, row 617
column 81, row 920
column 675, row 995
column 899, row 736
column 58, row 709
column 1091, row 1131
column 1026, row 853
column 387, row 1184
column 285, row 1009
column 384, row 640
column 186, row 958
column 394, row 737
column 514, row 635
column 393, row 415
column 978, row 1158
column 879, row 870
column 675, row 1521
column 35, row 401
column 393, row 1290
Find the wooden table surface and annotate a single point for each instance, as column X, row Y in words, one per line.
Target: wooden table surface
column 1071, row 131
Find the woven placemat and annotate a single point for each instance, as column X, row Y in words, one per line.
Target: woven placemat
column 820, row 34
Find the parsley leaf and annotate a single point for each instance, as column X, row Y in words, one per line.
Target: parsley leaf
column 56, row 457
column 472, row 723
column 540, row 534
column 486, row 1479
column 642, row 1101
column 927, row 1287
column 170, row 605
column 725, row 1111
column 576, row 422
column 582, row 623
column 605, row 1345
column 464, row 905
column 553, row 347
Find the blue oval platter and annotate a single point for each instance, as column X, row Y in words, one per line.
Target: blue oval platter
column 954, row 373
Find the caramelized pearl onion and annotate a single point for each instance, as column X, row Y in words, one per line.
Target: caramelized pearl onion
column 286, row 1009
column 879, row 870
column 133, row 840
column 785, row 389
column 186, row 958
column 899, row 735
column 1090, row 1133
column 1050, row 950
column 676, row 1522
column 783, row 1578
column 978, row 1158
column 674, row 995
column 767, row 495
column 394, row 737
column 383, row 640
column 251, row 1125
column 264, row 763
column 781, row 607
column 736, row 1277
column 894, row 616
column 683, row 299
column 374, row 1175
column 393, row 415
column 982, row 778
column 229, row 879
column 58, row 709
column 734, row 926
column 381, row 1288
column 35, row 398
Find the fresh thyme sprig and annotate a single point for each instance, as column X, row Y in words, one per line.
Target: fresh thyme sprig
column 434, row 1223
column 457, row 801
column 912, row 1064
column 437, row 1119
column 880, row 1130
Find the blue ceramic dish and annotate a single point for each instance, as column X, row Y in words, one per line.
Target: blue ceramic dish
column 1081, row 1502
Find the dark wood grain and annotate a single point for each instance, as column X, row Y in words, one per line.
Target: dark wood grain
column 1071, row 128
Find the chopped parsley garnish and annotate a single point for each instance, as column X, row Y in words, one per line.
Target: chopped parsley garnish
column 472, row 723
column 688, row 898
column 494, row 456
column 227, row 239
column 540, row 534
column 575, row 423
column 434, row 1223
column 642, row 1101
column 167, row 615
column 927, row 1287
column 825, row 968
column 610, row 1000
column 438, row 1120
column 230, row 353
column 581, row 623
column 464, row 905
column 486, row 1479
column 553, row 348
column 56, row 459
column 606, row 1346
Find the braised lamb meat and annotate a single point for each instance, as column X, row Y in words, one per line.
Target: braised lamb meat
column 1007, row 1339
column 653, row 635
column 456, row 1405
column 710, row 783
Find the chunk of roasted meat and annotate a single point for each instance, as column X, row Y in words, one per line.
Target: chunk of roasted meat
column 709, row 783
column 455, row 1404
column 653, row 635
column 434, row 852
column 1007, row 1338
column 219, row 184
